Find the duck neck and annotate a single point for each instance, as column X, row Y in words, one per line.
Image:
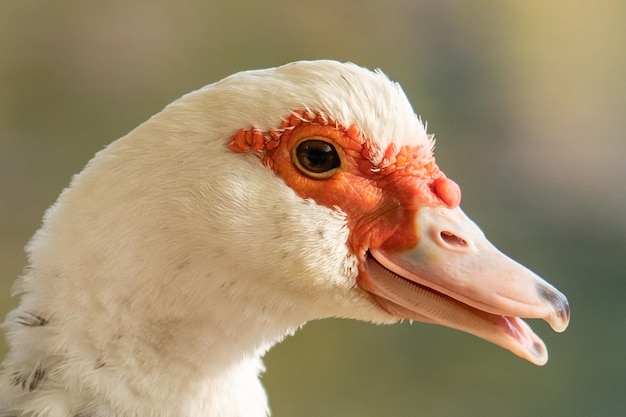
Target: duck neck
column 165, row 363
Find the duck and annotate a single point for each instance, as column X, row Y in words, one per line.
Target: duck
column 186, row 249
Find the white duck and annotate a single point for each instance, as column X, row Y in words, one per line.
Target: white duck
column 188, row 248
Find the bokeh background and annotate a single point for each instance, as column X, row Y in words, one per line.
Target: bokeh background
column 527, row 100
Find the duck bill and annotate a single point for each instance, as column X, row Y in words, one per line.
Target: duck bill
column 455, row 277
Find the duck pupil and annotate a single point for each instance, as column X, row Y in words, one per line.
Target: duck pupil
column 317, row 156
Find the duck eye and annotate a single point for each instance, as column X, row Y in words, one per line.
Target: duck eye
column 317, row 158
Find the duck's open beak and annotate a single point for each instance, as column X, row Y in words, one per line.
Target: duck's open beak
column 455, row 277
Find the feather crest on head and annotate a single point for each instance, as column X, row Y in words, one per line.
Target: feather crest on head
column 333, row 92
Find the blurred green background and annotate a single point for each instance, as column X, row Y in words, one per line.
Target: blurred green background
column 528, row 102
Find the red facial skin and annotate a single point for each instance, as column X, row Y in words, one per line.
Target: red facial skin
column 380, row 201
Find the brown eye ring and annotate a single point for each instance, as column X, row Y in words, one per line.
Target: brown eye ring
column 316, row 158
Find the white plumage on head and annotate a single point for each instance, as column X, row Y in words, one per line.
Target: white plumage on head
column 345, row 92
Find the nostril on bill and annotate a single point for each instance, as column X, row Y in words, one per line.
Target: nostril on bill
column 453, row 240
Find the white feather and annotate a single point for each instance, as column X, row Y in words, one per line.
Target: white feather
column 171, row 265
